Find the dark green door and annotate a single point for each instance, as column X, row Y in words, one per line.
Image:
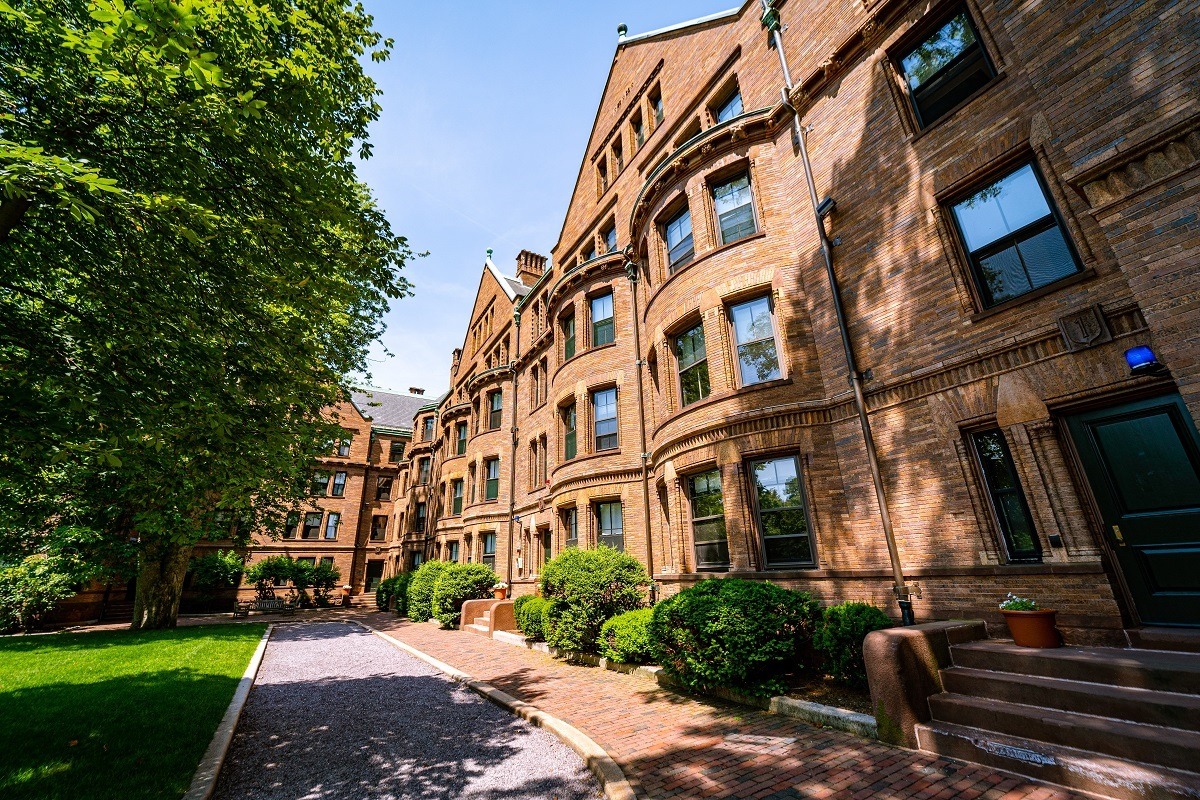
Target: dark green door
column 1143, row 463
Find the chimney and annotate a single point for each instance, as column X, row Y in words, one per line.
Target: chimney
column 530, row 267
column 415, row 390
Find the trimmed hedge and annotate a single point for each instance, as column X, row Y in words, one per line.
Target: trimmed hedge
column 739, row 634
column 456, row 584
column 393, row 588
column 626, row 637
column 530, row 612
column 840, row 639
column 420, row 590
column 586, row 587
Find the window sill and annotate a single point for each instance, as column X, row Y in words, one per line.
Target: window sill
column 1036, row 294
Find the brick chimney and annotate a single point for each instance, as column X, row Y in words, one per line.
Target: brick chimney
column 530, row 267
column 415, row 390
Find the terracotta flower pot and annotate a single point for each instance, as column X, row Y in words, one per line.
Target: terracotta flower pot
column 500, row 593
column 1033, row 628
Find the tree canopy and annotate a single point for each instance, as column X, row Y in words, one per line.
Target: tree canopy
column 190, row 266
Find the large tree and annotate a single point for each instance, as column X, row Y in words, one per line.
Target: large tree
column 190, row 267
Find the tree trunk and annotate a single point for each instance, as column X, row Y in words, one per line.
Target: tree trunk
column 161, row 570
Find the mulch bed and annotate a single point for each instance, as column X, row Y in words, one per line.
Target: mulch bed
column 820, row 689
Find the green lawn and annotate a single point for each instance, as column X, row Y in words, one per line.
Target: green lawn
column 126, row 714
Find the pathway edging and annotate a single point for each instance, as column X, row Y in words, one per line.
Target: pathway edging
column 607, row 771
column 205, row 779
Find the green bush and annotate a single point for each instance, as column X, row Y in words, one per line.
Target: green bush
column 400, row 591
column 324, row 577
column 739, row 634
column 420, row 590
column 385, row 592
column 626, row 637
column 217, row 570
column 458, row 583
column 530, row 612
column 29, row 590
column 265, row 573
column 840, row 639
column 586, row 587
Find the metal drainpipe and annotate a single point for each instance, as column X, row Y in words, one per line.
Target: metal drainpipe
column 631, row 272
column 512, row 460
column 904, row 592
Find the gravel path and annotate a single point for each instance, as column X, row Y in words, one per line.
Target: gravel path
column 337, row 712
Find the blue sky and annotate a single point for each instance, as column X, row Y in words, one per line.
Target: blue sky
column 487, row 107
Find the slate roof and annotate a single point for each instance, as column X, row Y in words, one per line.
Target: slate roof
column 388, row 410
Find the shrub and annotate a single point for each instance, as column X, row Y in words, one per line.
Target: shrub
column 586, row 587
column 733, row 633
column 212, row 572
column 325, row 577
column 626, row 637
column 385, row 592
column 265, row 573
column 420, row 590
column 840, row 639
column 530, row 612
column 29, row 590
column 456, row 584
column 400, row 591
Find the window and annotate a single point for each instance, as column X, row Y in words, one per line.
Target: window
column 378, row 527
column 945, row 69
column 542, row 461
column 567, row 324
column 601, row 176
column 489, row 549
column 418, row 558
column 708, row 520
column 782, row 515
column 535, row 386
column 608, row 525
column 312, row 526
column 291, row 524
column 678, row 233
column 754, row 337
column 344, row 447
column 1008, row 501
column 310, row 560
column 339, row 484
column 319, row 486
column 383, row 488
column 610, row 238
column 419, row 519
column 570, row 519
column 423, row 471
column 569, row 442
column 730, row 106
column 395, row 452
column 638, row 129
column 618, row 154
column 427, row 429
column 495, row 409
column 452, row 548
column 460, row 435
column 602, row 320
column 332, row 522
column 734, row 206
column 456, row 497
column 656, row 105
column 492, row 489
column 547, row 542
column 604, row 413
column 693, row 365
column 327, row 561
column 1013, row 237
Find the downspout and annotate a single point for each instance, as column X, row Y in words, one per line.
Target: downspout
column 904, row 593
column 631, row 272
column 512, row 459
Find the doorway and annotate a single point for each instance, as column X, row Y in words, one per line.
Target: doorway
column 1142, row 461
column 374, row 575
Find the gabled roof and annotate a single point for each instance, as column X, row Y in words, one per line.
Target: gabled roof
column 386, row 409
column 638, row 37
column 512, row 287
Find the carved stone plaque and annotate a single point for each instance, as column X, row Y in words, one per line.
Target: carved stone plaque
column 1084, row 329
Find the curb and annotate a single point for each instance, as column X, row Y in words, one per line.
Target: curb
column 607, row 771
column 205, row 779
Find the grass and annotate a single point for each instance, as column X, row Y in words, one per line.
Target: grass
column 116, row 714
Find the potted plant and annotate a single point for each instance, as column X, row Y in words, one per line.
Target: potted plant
column 1030, row 624
column 500, row 590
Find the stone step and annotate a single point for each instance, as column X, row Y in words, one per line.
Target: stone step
column 1145, row 706
column 1184, row 640
column 1078, row 769
column 1149, row 744
column 482, row 630
column 484, row 621
column 1141, row 669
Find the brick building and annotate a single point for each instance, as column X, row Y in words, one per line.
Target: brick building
column 1012, row 216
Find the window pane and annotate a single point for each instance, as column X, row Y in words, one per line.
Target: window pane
column 789, row 550
column 712, row 554
column 778, row 483
column 605, row 414
column 602, row 332
column 610, row 239
column 331, row 526
column 1018, row 526
column 752, row 320
column 784, row 522
column 730, row 108
column 734, row 212
column 1002, row 483
column 938, row 50
column 758, row 362
column 602, row 307
column 994, row 456
column 690, row 347
column 693, row 383
column 709, row 531
column 1007, row 205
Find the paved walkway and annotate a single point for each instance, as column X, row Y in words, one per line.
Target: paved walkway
column 672, row 746
column 337, row 712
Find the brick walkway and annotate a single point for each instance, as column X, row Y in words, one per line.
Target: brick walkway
column 672, row 746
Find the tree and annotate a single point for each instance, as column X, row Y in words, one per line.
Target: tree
column 190, row 267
